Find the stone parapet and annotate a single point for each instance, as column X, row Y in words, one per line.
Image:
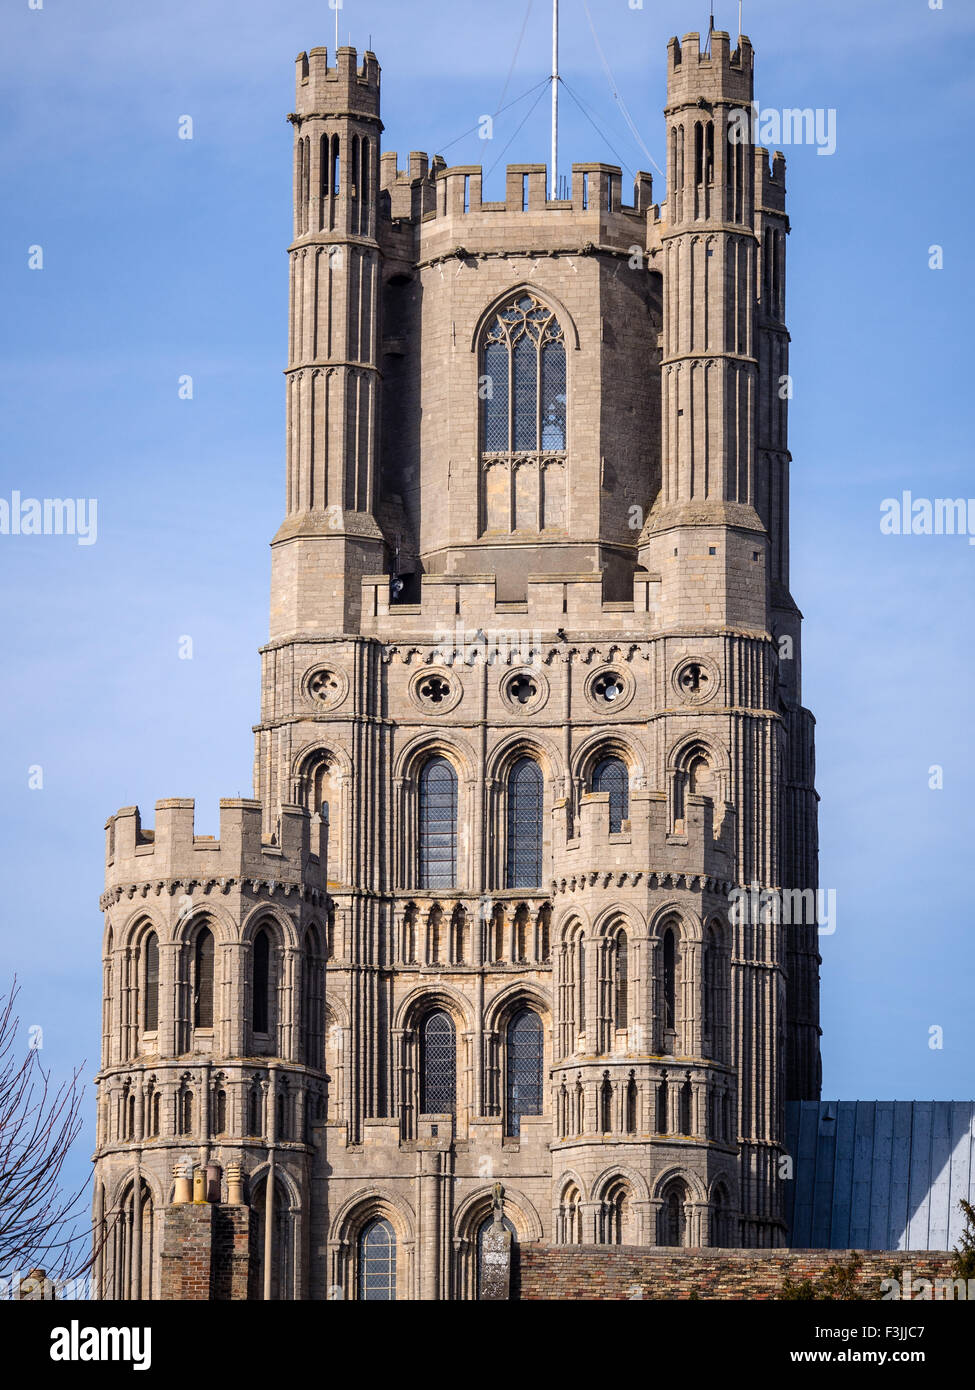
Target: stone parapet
column 172, row 850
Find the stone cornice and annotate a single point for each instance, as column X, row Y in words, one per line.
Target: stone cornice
column 533, row 253
column 654, row 878
column 270, row 886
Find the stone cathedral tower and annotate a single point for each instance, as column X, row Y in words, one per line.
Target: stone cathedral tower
column 530, row 714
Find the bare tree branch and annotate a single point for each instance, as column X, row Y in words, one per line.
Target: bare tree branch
column 39, row 1223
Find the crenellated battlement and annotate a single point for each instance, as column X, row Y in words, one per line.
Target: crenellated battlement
column 770, row 187
column 552, row 601
column 721, row 75
column 583, row 846
column 595, row 188
column 346, row 88
column 173, row 850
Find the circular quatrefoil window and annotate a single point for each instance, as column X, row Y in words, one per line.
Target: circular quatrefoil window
column 524, row 691
column 435, row 692
column 325, row 687
column 609, row 689
column 695, row 681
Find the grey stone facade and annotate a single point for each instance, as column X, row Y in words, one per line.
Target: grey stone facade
column 609, row 583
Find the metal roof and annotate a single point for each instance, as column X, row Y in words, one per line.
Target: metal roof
column 879, row 1174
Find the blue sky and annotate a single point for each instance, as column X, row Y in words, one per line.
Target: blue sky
column 164, row 257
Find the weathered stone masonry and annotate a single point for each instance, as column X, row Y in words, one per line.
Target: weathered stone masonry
column 530, row 710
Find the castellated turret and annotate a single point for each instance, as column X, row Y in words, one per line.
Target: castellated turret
column 212, row 1042
column 530, row 715
column 330, row 535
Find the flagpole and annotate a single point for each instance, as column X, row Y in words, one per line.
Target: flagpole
column 555, row 99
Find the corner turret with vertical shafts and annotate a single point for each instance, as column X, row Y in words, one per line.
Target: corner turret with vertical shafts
column 330, row 535
column 705, row 526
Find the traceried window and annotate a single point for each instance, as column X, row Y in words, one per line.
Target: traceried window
column 524, row 868
column 438, row 825
column 524, row 1062
column 438, row 1065
column 611, row 775
column 523, row 417
column 150, row 1018
column 377, row 1262
column 524, row 363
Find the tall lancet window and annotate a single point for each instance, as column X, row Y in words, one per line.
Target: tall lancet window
column 377, row 1262
column 524, row 1065
column 523, row 417
column 203, row 979
column 438, row 825
column 262, row 982
column 525, row 825
column 438, row 1065
column 150, row 1020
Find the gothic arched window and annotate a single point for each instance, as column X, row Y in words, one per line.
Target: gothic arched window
column 524, row 386
column 719, row 1218
column 319, row 790
column 713, row 991
column 524, row 1063
column 670, row 977
column 606, row 1104
column 632, row 1098
column 438, row 824
column 150, row 1014
column 621, row 981
column 525, row 825
column 262, row 982
column 312, row 1000
column 203, row 979
column 616, row 1214
column 611, row 775
column 377, row 1262
column 438, row 1065
column 570, row 1211
column 673, row 1217
column 255, row 1124
column 184, row 1111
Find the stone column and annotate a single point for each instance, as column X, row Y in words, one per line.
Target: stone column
column 428, row 1244
column 135, row 1286
column 673, row 1106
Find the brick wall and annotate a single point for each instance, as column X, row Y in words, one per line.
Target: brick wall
column 556, row 1272
column 233, row 1274
column 208, row 1252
